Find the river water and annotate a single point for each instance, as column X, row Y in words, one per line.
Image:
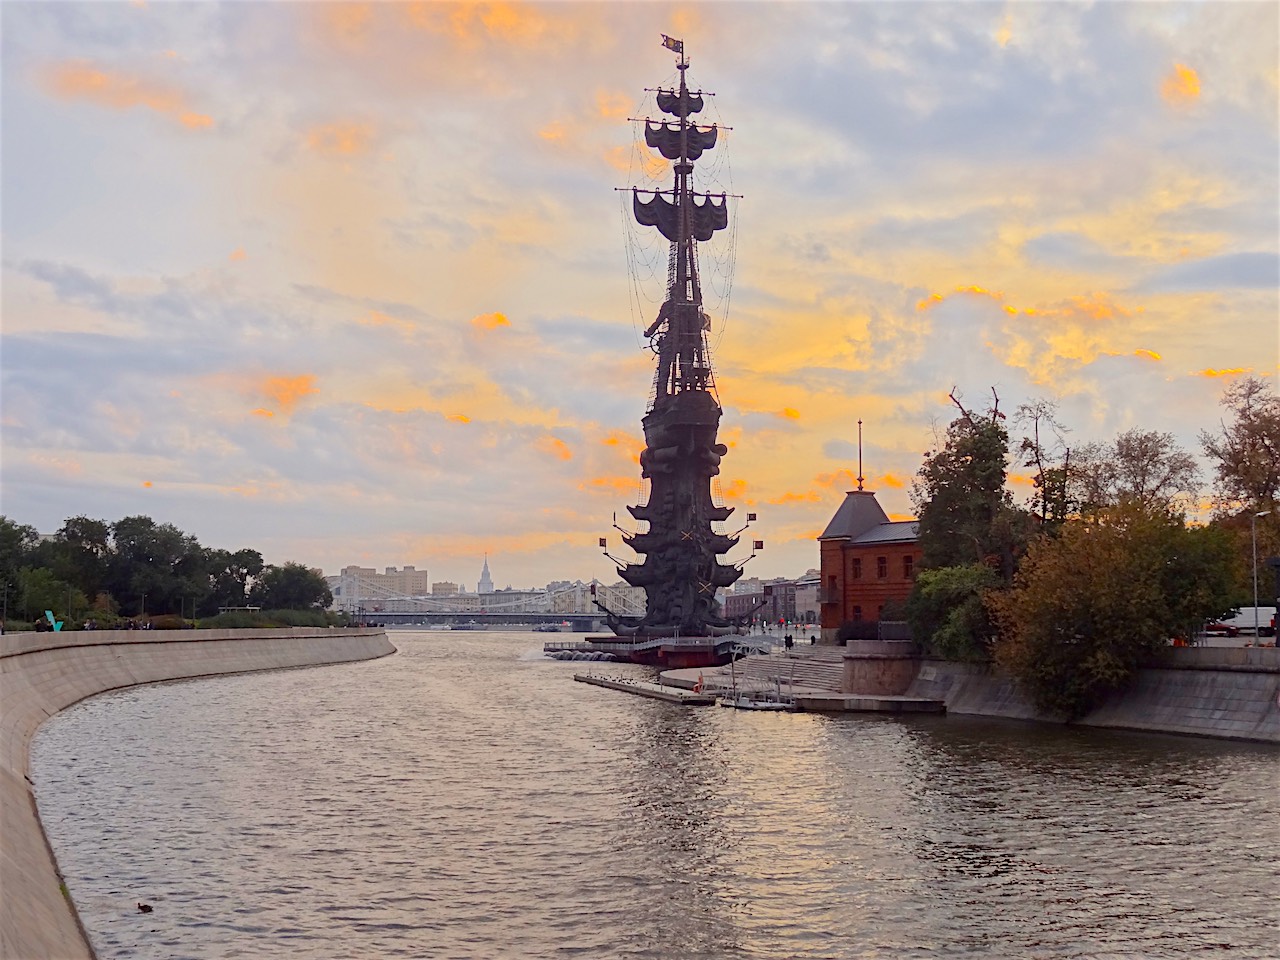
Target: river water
column 466, row 799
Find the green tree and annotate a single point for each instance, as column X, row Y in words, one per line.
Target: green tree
column 230, row 577
column 947, row 612
column 1144, row 466
column 17, row 540
column 1087, row 607
column 39, row 590
column 966, row 514
column 158, row 562
column 290, row 587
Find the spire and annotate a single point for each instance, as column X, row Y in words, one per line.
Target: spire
column 860, row 477
column 486, row 582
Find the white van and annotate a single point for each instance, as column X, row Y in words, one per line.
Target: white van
column 1243, row 621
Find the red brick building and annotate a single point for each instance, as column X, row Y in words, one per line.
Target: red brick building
column 867, row 561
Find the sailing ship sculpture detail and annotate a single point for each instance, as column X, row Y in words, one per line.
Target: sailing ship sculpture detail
column 681, row 570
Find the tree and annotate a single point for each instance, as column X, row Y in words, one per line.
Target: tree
column 1088, row 606
column 230, row 578
column 158, row 562
column 1145, row 466
column 1046, row 452
column 16, row 543
column 81, row 551
column 1246, row 454
column 947, row 612
column 966, row 514
column 291, row 587
column 39, row 590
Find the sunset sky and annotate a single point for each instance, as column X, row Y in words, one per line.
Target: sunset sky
column 348, row 283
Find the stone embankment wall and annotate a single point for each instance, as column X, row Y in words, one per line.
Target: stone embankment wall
column 42, row 673
column 1226, row 692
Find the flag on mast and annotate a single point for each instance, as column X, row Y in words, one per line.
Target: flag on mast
column 672, row 44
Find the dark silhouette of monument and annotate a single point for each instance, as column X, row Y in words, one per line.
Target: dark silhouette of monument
column 681, row 570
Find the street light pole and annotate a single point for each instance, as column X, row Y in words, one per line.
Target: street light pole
column 1253, row 536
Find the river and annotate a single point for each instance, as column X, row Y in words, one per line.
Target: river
column 465, row 799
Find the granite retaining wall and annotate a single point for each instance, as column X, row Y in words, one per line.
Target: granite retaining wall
column 1228, row 692
column 42, row 673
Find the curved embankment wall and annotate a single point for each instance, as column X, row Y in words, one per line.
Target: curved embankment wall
column 1206, row 691
column 42, row 673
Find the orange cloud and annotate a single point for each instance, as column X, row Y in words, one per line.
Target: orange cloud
column 490, row 321
column 936, row 298
column 79, row 80
column 810, row 497
column 789, row 413
column 237, row 254
column 287, row 391
column 631, row 444
column 1149, row 354
column 612, row 106
column 263, row 412
column 146, row 483
column 340, row 139
column 1021, row 480
column 555, row 446
column 554, row 131
column 736, row 490
column 516, row 23
column 1005, row 33
column 459, row 418
column 1231, row 372
column 892, row 480
column 613, row 485
column 840, row 480
column 1182, row 86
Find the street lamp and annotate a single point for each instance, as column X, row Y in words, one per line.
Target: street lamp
column 1253, row 536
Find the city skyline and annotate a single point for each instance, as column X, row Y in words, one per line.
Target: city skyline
column 346, row 283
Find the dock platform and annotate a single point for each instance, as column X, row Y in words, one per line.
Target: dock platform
column 654, row 691
column 853, row 703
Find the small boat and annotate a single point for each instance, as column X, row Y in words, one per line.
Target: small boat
column 469, row 625
column 548, row 628
column 746, row 701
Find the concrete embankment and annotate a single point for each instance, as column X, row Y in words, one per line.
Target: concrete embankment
column 42, row 673
column 1204, row 691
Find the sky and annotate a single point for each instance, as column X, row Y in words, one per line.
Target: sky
column 349, row 283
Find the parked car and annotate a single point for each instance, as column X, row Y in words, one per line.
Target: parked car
column 1220, row 629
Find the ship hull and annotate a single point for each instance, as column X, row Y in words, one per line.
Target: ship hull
column 668, row 653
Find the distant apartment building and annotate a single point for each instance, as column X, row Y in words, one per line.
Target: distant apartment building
column 359, row 587
column 444, row 588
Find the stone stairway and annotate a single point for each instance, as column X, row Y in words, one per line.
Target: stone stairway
column 807, row 668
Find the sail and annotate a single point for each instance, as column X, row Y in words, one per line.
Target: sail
column 666, row 137
column 704, row 218
column 669, row 102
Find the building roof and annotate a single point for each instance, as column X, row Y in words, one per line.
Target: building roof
column 859, row 513
column 895, row 531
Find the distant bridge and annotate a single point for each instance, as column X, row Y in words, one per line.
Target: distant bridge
column 578, row 622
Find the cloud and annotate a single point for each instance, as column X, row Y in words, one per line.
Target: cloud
column 237, row 254
column 340, row 139
column 1181, row 86
column 1231, row 372
column 1255, row 271
column 490, row 321
column 287, row 391
column 555, row 447
column 81, row 80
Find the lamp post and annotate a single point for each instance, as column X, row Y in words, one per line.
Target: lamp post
column 1253, row 536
